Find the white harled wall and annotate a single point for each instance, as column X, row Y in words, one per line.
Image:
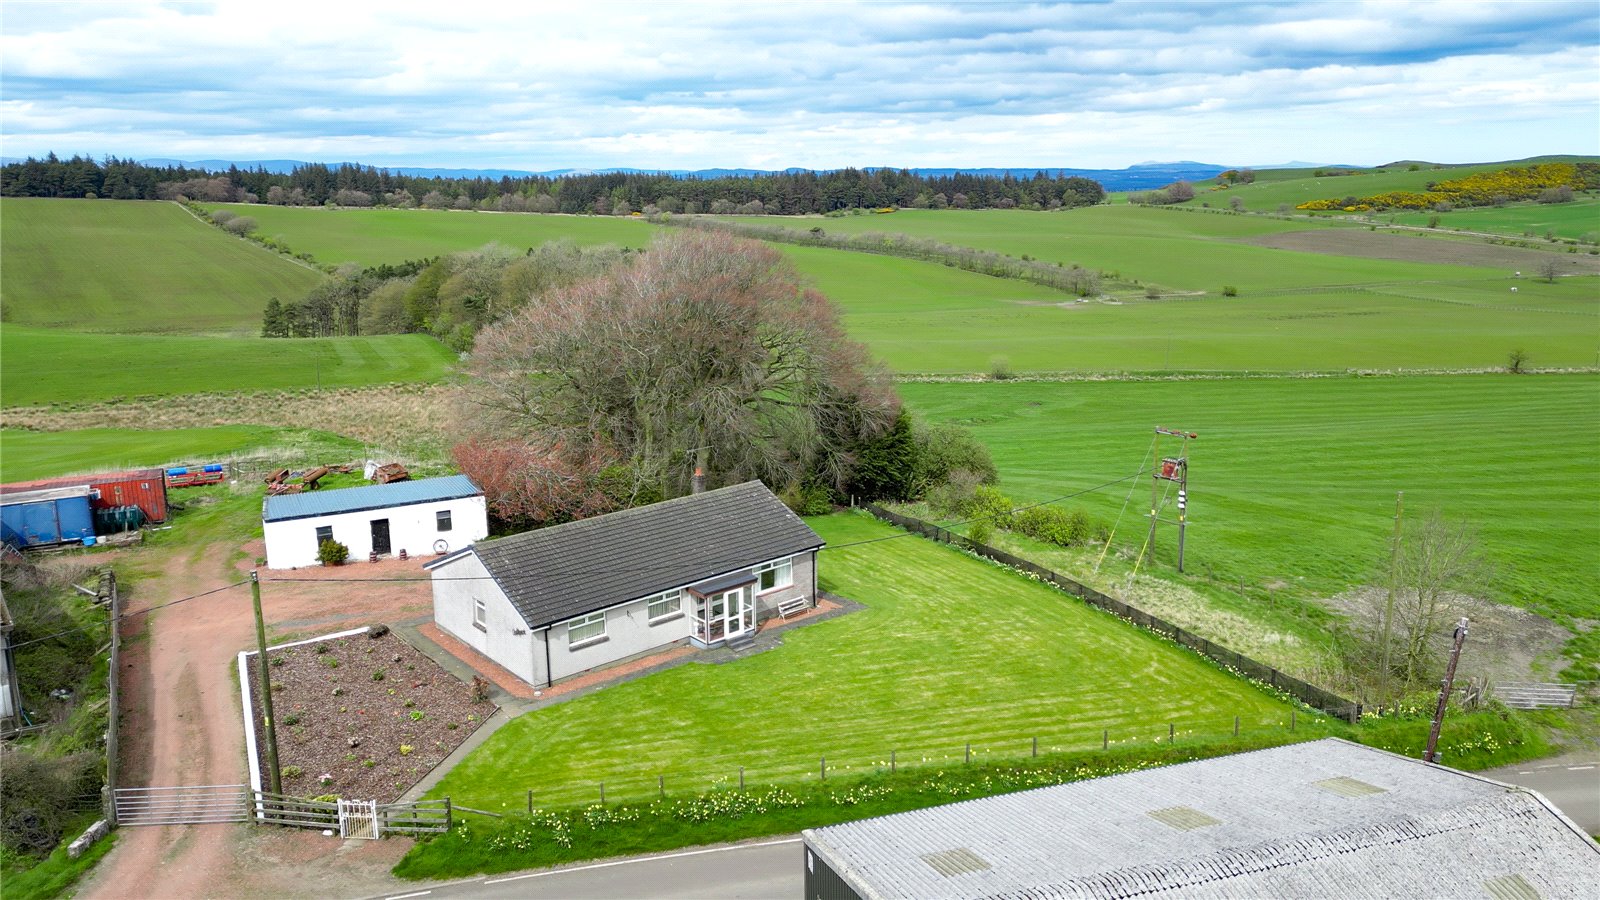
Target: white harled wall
column 414, row 528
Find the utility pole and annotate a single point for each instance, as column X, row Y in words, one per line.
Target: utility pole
column 1444, row 691
column 273, row 774
column 1173, row 469
column 1386, row 673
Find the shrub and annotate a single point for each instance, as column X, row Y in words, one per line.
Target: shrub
column 808, row 499
column 42, row 795
column 416, row 715
column 331, row 553
column 989, row 505
column 1064, row 528
column 378, row 675
column 980, row 530
column 953, row 498
column 293, row 771
column 1000, row 369
column 942, row 449
column 1229, row 290
column 406, row 749
column 241, row 225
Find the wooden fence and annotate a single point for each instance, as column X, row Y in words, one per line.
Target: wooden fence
column 108, row 588
column 1305, row 692
column 202, row 804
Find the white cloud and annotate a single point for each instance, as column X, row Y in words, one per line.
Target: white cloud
column 725, row 84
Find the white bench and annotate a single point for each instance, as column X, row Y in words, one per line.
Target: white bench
column 794, row 607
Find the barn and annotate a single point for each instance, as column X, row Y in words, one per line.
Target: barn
column 414, row 518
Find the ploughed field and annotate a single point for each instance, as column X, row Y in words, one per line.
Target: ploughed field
column 949, row 649
column 1294, row 480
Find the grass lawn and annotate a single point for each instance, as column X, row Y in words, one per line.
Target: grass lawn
column 1295, row 480
column 950, row 649
column 26, row 455
column 373, row 236
column 41, row 365
column 115, row 265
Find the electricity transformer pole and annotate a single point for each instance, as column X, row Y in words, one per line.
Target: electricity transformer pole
column 1173, row 470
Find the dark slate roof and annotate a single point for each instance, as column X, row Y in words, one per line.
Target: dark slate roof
column 553, row 574
column 367, row 497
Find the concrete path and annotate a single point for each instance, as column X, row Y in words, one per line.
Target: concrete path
column 766, row 868
column 1571, row 782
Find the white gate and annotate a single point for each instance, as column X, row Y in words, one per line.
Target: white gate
column 358, row 819
column 181, row 805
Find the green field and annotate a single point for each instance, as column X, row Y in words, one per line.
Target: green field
column 949, row 650
column 27, row 455
column 104, row 265
column 1294, row 480
column 370, row 237
column 39, row 365
column 1295, row 186
column 1578, row 219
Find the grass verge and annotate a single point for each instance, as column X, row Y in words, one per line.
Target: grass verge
column 52, row 876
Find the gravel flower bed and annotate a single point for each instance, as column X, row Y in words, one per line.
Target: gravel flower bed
column 362, row 717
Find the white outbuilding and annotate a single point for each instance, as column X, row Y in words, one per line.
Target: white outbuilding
column 417, row 518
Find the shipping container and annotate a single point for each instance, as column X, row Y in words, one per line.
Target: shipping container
column 144, row 488
column 42, row 518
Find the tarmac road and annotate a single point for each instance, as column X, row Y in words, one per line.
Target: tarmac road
column 1571, row 782
column 769, row 868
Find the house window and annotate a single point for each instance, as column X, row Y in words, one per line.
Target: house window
column 586, row 630
column 324, row 533
column 443, row 518
column 774, row 575
column 480, row 614
column 665, row 606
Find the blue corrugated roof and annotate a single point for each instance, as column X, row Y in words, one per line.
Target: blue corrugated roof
column 372, row 496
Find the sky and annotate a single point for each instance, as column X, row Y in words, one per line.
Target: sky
column 687, row 85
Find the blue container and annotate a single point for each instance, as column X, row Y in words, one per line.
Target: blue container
column 181, row 470
column 89, row 541
column 40, row 518
column 214, row 468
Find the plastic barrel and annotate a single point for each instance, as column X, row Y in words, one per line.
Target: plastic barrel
column 214, row 468
column 181, row 470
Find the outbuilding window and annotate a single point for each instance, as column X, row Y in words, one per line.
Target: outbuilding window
column 665, row 606
column 443, row 518
column 586, row 630
column 324, row 533
column 480, row 614
column 773, row 575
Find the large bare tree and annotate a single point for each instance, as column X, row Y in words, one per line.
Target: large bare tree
column 705, row 352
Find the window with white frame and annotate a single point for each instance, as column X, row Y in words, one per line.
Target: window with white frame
column 665, row 605
column 480, row 614
column 586, row 630
column 773, row 575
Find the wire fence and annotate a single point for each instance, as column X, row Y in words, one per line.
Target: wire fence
column 641, row 786
column 1305, row 692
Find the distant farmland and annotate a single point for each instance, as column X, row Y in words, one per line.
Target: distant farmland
column 121, row 265
column 39, row 365
column 370, row 237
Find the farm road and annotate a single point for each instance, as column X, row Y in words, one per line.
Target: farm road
column 181, row 724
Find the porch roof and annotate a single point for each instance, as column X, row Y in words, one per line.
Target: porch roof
column 553, row 574
column 725, row 583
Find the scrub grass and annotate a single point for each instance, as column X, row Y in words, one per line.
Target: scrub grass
column 1293, row 481
column 26, row 455
column 41, row 366
column 370, row 237
column 949, row 649
column 55, row 875
column 129, row 266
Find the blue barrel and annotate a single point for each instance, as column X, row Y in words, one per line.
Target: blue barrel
column 178, row 471
column 214, row 468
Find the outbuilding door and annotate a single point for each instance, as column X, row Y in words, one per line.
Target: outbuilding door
column 380, row 536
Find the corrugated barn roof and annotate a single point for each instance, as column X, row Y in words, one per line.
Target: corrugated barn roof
column 367, row 497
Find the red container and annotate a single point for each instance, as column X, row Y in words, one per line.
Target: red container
column 144, row 488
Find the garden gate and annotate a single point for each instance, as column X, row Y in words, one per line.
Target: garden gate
column 358, row 819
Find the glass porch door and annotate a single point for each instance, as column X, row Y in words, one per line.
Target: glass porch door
column 724, row 615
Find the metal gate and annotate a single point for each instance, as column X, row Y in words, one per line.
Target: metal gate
column 182, row 805
column 358, row 819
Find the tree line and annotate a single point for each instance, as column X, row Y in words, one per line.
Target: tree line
column 614, row 193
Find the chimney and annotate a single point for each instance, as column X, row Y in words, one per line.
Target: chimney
column 699, row 484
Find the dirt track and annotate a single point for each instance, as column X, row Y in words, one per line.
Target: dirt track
column 181, row 724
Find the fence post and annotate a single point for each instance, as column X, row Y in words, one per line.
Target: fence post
column 449, row 811
column 1235, row 726
column 969, row 752
column 1172, row 732
column 892, row 766
column 1035, row 748
column 530, row 801
column 1291, row 719
column 1105, row 739
column 661, row 785
column 741, row 779
column 602, row 793
column 824, row 767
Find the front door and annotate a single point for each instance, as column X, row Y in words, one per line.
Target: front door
column 380, row 536
column 732, row 603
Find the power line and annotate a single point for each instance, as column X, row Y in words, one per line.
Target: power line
column 139, row 612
